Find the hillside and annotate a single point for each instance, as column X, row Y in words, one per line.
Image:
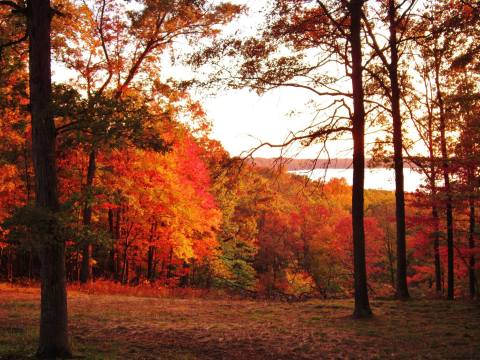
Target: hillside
column 308, row 164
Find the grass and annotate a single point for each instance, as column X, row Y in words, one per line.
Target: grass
column 119, row 326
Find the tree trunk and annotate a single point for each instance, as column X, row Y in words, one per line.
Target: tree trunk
column 436, row 250
column 433, row 194
column 151, row 252
column 170, row 265
column 150, row 268
column 10, row 264
column 86, row 273
column 446, row 179
column 53, row 310
column 401, row 283
column 471, row 246
column 125, row 266
column 362, row 306
column 111, row 254
column 117, row 238
column 391, row 266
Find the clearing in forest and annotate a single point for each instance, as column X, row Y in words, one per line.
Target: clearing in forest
column 129, row 327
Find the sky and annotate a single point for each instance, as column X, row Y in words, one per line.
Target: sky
column 242, row 119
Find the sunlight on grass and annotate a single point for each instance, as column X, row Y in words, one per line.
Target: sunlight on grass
column 120, row 327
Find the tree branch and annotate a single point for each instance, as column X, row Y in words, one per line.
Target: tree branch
column 15, row 7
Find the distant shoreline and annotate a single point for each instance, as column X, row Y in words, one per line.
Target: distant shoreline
column 309, row 164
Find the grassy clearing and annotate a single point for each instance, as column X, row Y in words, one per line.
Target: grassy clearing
column 127, row 327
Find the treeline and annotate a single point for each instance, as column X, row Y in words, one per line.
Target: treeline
column 192, row 216
column 310, row 164
column 405, row 71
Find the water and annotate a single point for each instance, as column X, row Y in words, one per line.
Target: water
column 380, row 179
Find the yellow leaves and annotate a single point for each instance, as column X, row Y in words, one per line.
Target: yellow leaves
column 220, row 269
column 298, row 283
column 182, row 247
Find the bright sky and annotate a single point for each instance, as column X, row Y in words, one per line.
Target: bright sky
column 243, row 120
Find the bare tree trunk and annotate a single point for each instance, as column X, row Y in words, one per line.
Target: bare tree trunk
column 151, row 253
column 10, row 264
column 433, row 194
column 111, row 254
column 125, row 265
column 170, row 265
column 401, row 283
column 150, row 267
column 391, row 265
column 446, row 179
column 117, row 238
column 471, row 246
column 53, row 310
column 436, row 250
column 86, row 273
column 362, row 306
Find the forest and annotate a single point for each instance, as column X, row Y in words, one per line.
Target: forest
column 115, row 195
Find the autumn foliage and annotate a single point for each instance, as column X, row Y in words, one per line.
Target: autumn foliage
column 171, row 209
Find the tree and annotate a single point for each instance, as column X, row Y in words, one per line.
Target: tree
column 362, row 306
column 444, row 43
column 277, row 57
column 395, row 21
column 96, row 49
column 53, row 314
column 465, row 66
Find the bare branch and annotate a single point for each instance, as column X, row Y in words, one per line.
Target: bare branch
column 311, row 137
column 105, row 51
column 13, row 43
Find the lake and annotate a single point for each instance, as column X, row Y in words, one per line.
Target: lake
column 378, row 178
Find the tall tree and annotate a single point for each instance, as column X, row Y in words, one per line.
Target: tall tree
column 53, row 313
column 362, row 306
column 257, row 62
column 435, row 44
column 53, row 340
column 467, row 65
column 402, row 289
column 394, row 94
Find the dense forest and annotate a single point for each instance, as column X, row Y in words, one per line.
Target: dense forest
column 109, row 173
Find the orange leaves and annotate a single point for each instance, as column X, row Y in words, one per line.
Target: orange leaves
column 466, row 9
column 170, row 190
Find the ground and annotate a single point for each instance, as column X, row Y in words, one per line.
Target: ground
column 131, row 327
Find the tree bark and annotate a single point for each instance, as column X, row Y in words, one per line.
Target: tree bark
column 446, row 179
column 435, row 216
column 362, row 306
column 150, row 268
column 436, row 250
column 86, row 273
column 471, row 246
column 401, row 280
column 53, row 310
column 151, row 253
column 111, row 254
column 117, row 239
